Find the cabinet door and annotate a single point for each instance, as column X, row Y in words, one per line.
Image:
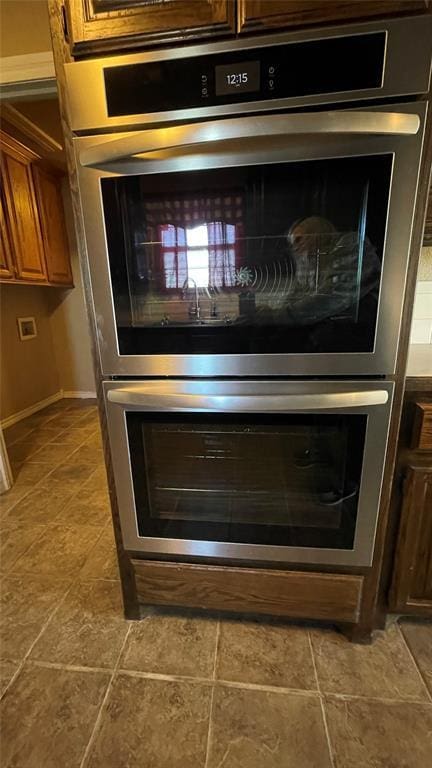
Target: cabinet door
column 21, row 211
column 6, row 263
column 51, row 214
column 256, row 15
column 102, row 25
column 411, row 590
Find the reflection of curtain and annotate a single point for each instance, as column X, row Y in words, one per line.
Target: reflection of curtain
column 223, row 249
column 173, row 267
column 192, row 211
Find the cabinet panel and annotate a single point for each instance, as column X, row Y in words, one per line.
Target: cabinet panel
column 23, row 218
column 50, row 205
column 412, row 580
column 256, row 15
column 6, row 263
column 102, row 25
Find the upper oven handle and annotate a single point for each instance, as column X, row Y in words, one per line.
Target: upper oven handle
column 183, row 136
column 140, row 398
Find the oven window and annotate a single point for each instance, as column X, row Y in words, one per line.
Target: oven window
column 277, row 258
column 290, row 480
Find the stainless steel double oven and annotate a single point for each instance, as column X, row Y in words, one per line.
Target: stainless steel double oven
column 248, row 209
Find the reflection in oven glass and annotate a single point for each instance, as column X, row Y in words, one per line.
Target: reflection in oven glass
column 254, row 481
column 225, row 254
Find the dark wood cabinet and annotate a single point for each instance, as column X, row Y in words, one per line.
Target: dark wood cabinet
column 95, row 26
column 411, row 589
column 258, row 15
column 51, row 214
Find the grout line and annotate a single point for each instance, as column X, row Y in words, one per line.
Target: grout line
column 68, row 667
column 378, row 699
column 103, row 702
column 212, row 693
column 322, row 704
column 164, row 678
column 50, row 617
column 420, row 674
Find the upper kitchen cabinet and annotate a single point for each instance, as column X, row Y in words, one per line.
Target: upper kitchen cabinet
column 95, row 26
column 49, row 197
column 259, row 15
column 33, row 242
column 6, row 263
column 21, row 211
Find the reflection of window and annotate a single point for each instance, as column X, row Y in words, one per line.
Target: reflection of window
column 207, row 254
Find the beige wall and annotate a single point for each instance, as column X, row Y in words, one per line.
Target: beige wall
column 69, row 325
column 24, row 27
column 28, row 369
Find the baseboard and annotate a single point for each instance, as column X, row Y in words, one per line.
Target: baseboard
column 31, row 409
column 79, row 394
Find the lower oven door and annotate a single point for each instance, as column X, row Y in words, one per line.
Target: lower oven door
column 250, row 470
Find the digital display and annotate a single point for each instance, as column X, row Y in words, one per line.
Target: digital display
column 237, row 78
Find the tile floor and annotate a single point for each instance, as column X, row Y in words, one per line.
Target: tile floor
column 83, row 688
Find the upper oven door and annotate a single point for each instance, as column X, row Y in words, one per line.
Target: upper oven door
column 266, row 245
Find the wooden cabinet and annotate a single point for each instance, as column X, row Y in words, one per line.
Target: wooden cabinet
column 258, row 15
column 33, row 242
column 411, row 590
column 21, row 211
column 94, row 26
column 49, row 198
column 6, row 263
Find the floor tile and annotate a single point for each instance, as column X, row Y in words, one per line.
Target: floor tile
column 383, row 669
column 9, row 499
column 74, row 437
column 88, row 454
column 172, row 645
column 26, row 604
column 152, row 723
column 261, row 729
column 59, row 552
column 77, row 471
column 48, row 716
column 32, row 473
column 16, row 432
column 102, row 561
column 90, row 506
column 15, row 540
column 87, row 630
column 418, row 635
column 370, row 734
column 265, row 653
column 53, row 453
column 43, row 504
column 7, row 671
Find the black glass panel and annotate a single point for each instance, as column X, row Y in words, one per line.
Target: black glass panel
column 257, row 259
column 329, row 65
column 289, row 480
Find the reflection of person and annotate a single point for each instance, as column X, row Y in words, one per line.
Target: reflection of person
column 332, row 271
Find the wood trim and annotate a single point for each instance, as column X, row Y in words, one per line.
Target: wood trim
column 29, row 129
column 138, row 24
column 61, row 56
column 16, row 149
column 427, row 234
column 259, row 15
column 331, row 597
column 421, row 439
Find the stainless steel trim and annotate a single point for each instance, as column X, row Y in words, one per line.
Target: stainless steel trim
column 406, row 151
column 220, row 131
column 370, row 489
column 413, row 34
column 145, row 396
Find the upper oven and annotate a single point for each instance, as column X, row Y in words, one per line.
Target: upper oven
column 234, row 242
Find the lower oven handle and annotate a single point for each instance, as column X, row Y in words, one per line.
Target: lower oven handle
column 349, row 122
column 139, row 398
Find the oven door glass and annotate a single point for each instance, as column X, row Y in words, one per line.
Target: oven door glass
column 285, row 480
column 282, row 257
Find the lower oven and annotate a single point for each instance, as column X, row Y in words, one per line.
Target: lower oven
column 267, row 471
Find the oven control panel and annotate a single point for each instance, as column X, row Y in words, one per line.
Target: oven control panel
column 328, row 65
